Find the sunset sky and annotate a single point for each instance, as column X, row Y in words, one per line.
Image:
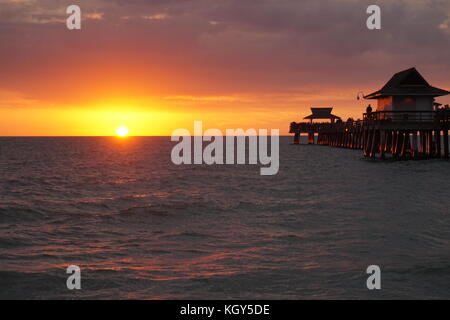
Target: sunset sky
column 158, row 65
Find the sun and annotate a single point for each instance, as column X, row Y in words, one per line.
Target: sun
column 122, row 131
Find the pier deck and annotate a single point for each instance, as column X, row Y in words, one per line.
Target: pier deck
column 401, row 134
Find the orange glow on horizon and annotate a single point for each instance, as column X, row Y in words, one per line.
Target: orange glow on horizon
column 160, row 116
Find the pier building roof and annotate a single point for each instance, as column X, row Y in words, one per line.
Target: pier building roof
column 321, row 113
column 407, row 83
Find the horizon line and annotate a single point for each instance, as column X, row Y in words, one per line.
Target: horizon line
column 122, row 137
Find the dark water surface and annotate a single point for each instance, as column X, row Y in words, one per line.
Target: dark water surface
column 141, row 227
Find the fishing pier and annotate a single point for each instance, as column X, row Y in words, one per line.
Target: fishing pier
column 408, row 123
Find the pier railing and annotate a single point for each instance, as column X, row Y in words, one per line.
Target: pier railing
column 407, row 116
column 325, row 126
column 441, row 116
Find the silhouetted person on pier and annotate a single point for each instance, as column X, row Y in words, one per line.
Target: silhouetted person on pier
column 369, row 112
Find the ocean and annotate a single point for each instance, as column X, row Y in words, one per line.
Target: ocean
column 140, row 227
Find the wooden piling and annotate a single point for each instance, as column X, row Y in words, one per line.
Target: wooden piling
column 360, row 139
column 297, row 138
column 374, row 144
column 414, row 149
column 422, row 142
column 437, row 143
column 387, row 145
column 446, row 155
column 406, row 146
column 429, row 135
column 310, row 137
column 401, row 147
column 368, row 142
column 394, row 147
column 382, row 143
